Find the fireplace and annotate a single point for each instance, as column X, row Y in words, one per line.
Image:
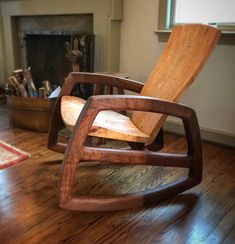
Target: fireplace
column 101, row 19
column 41, row 42
column 46, row 55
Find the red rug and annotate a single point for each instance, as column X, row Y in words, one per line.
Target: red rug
column 10, row 155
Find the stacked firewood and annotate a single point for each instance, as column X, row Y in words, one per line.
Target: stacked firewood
column 21, row 84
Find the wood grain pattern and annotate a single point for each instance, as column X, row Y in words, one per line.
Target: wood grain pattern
column 107, row 124
column 77, row 152
column 83, row 78
column 30, row 213
column 30, row 113
column 187, row 51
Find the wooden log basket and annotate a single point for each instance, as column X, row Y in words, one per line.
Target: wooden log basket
column 187, row 51
column 30, row 113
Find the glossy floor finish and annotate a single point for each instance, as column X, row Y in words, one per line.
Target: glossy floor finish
column 29, row 212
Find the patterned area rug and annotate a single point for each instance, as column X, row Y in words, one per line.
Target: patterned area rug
column 10, row 155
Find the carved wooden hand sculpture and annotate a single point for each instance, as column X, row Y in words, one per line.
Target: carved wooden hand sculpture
column 73, row 54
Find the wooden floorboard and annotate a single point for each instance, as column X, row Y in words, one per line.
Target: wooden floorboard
column 29, row 212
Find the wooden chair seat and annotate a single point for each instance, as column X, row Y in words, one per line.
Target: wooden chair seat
column 107, row 124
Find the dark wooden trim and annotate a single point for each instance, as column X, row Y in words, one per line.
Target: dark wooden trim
column 77, row 152
column 102, row 79
column 104, row 203
column 136, row 157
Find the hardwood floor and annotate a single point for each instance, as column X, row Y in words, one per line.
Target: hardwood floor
column 29, row 212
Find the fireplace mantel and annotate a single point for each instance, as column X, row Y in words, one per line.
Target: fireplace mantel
column 107, row 17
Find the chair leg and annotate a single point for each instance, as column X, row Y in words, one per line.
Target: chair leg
column 118, row 202
column 67, row 179
column 77, row 151
column 158, row 143
column 136, row 145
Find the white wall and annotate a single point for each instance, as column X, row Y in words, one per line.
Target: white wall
column 140, row 48
column 213, row 93
column 209, row 11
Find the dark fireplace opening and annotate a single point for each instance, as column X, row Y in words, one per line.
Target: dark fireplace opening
column 41, row 45
column 46, row 55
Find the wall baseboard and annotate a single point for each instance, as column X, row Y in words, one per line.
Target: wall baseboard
column 207, row 134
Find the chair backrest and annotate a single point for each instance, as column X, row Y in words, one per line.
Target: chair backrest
column 186, row 52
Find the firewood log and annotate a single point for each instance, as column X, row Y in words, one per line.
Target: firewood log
column 21, row 91
column 30, row 83
column 13, row 82
column 18, row 73
column 14, row 87
column 10, row 90
column 42, row 92
column 47, row 85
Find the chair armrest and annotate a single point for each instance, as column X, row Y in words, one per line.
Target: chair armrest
column 102, row 79
column 83, row 78
column 95, row 104
column 77, row 152
column 98, row 103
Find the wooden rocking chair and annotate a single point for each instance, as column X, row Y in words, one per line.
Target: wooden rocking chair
column 186, row 52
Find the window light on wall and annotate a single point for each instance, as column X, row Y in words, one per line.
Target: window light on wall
column 218, row 12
